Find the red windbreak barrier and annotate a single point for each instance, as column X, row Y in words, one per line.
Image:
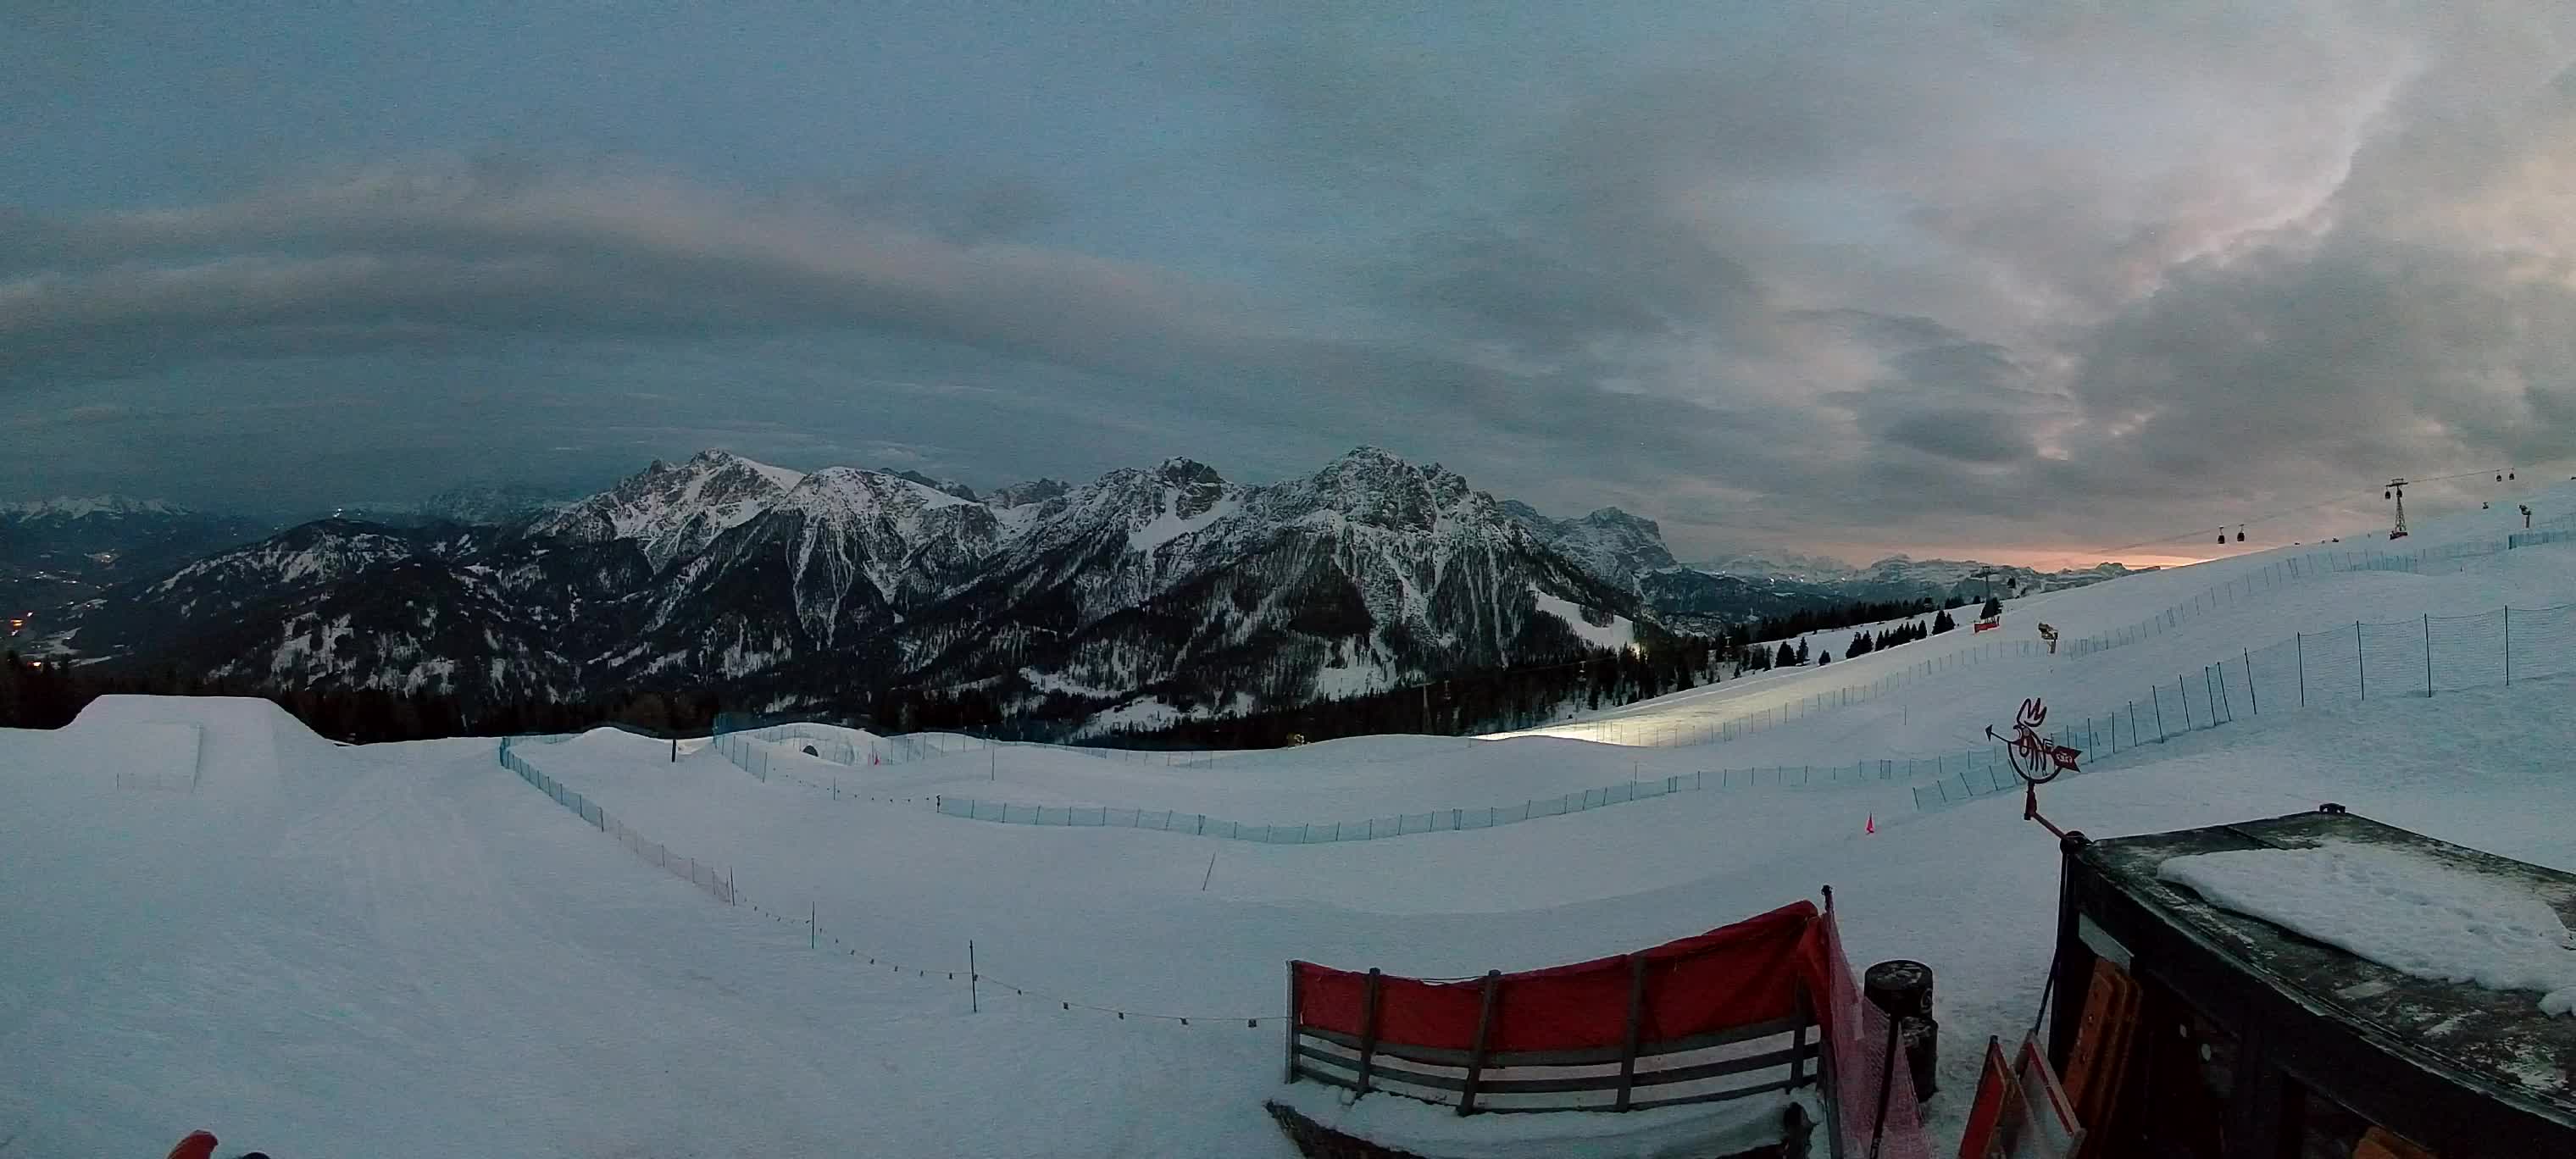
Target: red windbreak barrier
column 1732, row 976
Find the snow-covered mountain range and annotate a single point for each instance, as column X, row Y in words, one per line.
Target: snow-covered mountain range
column 1142, row 595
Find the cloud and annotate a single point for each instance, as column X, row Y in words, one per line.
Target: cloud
column 2024, row 270
column 432, row 252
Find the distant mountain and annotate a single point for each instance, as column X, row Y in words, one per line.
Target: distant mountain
column 491, row 504
column 1784, row 565
column 56, row 552
column 1144, row 596
column 1629, row 552
column 1612, row 544
column 943, row 486
column 1023, row 494
column 1901, row 578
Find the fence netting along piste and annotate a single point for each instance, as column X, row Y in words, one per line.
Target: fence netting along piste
column 750, row 744
column 979, row 984
column 1981, row 763
column 2407, row 657
column 718, row 885
column 2417, row 657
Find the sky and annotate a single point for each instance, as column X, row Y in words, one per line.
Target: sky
column 2025, row 277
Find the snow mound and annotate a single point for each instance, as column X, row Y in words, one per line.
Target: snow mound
column 2413, row 914
column 607, row 741
column 245, row 743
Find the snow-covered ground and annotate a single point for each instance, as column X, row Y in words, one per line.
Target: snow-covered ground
column 326, row 950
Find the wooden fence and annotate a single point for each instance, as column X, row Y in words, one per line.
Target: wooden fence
column 1725, row 1015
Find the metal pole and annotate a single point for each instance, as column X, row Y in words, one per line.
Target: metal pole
column 2159, row 693
column 2250, row 695
column 2184, row 691
column 2508, row 642
column 2300, row 642
column 974, row 1000
column 2360, row 666
column 2428, row 654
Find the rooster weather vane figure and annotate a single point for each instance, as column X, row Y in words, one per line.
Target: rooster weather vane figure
column 2036, row 759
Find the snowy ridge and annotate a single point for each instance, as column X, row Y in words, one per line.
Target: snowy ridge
column 84, row 507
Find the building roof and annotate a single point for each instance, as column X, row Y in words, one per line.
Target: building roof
column 2494, row 1039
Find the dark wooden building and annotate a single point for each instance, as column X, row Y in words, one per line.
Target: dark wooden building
column 2238, row 1039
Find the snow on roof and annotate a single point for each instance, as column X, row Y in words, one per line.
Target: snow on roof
column 2326, row 946
column 2418, row 915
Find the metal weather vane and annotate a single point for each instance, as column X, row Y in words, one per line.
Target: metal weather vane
column 2035, row 759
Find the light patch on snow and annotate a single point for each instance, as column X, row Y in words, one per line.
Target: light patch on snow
column 786, row 479
column 1045, row 682
column 1169, row 525
column 1620, row 634
column 2413, row 914
column 1354, row 679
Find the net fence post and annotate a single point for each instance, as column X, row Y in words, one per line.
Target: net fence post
column 1291, row 1020
column 1476, row 1050
column 2299, row 642
column 2252, row 697
column 1368, row 1029
column 2508, row 645
column 1636, row 1021
column 2428, row 654
column 2360, row 664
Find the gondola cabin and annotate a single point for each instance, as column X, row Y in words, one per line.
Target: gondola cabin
column 2188, row 1029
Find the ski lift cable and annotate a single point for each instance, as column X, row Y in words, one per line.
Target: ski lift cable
column 2098, row 553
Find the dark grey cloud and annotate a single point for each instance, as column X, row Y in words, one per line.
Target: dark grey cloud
column 1856, row 273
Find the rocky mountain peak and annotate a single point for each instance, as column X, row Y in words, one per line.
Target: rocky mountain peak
column 1033, row 491
column 674, row 511
column 1196, row 486
column 1375, row 486
column 1613, row 545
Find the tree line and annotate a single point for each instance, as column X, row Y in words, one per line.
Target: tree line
column 49, row 694
column 1489, row 700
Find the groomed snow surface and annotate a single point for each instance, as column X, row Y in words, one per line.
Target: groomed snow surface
column 323, row 951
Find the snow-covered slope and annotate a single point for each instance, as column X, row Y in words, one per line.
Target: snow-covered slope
column 1862, row 707
column 344, row 951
